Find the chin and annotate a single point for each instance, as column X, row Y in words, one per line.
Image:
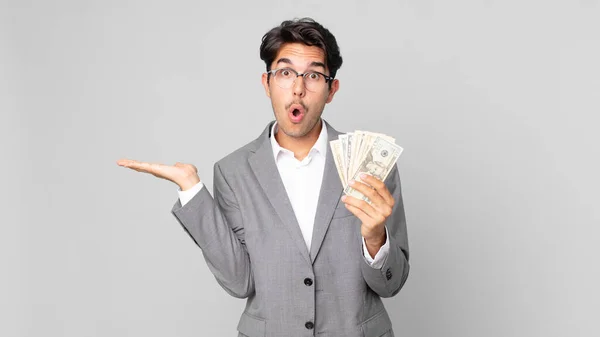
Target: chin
column 298, row 130
column 294, row 132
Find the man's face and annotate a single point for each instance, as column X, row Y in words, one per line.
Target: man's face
column 297, row 110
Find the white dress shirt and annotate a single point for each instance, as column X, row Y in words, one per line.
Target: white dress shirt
column 302, row 180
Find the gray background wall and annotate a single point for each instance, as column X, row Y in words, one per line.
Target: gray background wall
column 495, row 102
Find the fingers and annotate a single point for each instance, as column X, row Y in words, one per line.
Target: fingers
column 362, row 209
column 375, row 195
column 127, row 162
column 359, row 213
column 379, row 187
column 367, row 190
column 140, row 166
column 123, row 162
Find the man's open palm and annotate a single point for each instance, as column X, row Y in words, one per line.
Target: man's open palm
column 184, row 175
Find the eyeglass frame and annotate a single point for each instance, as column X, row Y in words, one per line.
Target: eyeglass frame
column 328, row 79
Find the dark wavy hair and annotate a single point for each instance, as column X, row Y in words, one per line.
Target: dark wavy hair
column 306, row 31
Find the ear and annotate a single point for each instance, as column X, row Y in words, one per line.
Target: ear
column 266, row 85
column 335, row 86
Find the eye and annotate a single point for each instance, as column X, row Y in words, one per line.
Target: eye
column 285, row 72
column 314, row 76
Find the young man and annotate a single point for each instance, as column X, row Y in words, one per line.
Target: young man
column 279, row 231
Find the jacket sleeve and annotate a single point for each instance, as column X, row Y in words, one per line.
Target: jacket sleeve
column 215, row 225
column 390, row 278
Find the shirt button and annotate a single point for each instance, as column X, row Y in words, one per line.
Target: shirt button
column 308, row 281
column 309, row 325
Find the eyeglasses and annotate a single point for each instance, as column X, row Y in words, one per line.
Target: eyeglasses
column 313, row 80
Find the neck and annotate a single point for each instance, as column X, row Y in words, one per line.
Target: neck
column 299, row 145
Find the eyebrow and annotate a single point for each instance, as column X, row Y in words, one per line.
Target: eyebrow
column 312, row 64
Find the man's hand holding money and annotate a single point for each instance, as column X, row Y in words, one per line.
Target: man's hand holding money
column 363, row 160
column 373, row 215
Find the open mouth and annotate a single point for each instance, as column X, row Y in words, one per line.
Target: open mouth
column 296, row 113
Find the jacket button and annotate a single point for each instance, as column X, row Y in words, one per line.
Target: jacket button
column 388, row 274
column 308, row 281
column 309, row 325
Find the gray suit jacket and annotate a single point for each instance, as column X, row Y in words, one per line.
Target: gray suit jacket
column 253, row 245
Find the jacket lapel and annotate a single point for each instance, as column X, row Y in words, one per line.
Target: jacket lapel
column 329, row 197
column 265, row 169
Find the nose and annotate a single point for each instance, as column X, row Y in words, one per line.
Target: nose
column 298, row 87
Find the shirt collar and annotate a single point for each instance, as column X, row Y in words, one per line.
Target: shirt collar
column 320, row 145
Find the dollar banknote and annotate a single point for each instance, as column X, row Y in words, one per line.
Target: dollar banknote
column 347, row 153
column 364, row 152
column 336, row 149
column 344, row 145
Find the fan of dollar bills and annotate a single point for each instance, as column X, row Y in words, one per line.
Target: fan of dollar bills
column 364, row 152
